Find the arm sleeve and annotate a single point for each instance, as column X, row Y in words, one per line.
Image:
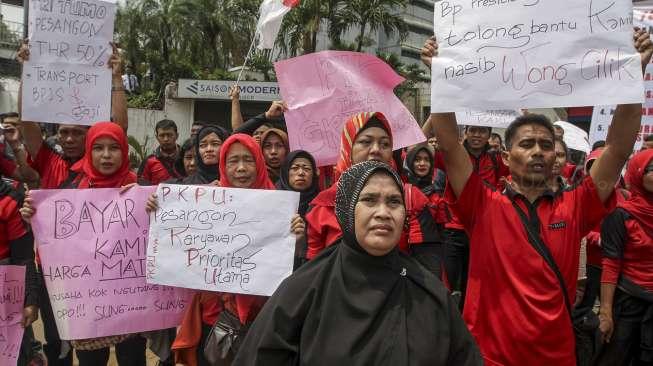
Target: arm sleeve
column 613, row 240
column 251, row 124
column 472, row 200
column 315, row 233
column 588, row 206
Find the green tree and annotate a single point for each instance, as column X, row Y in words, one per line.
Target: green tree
column 368, row 16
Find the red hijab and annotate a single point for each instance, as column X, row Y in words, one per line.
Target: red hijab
column 273, row 173
column 89, row 177
column 246, row 306
column 349, row 132
column 640, row 203
column 262, row 178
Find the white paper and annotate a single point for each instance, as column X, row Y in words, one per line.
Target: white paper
column 510, row 54
column 222, row 239
column 67, row 79
column 497, row 118
column 575, row 137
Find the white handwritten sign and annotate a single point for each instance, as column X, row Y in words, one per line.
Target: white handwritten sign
column 222, row 239
column 504, row 54
column 67, row 79
column 497, row 118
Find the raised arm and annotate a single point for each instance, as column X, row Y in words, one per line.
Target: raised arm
column 236, row 115
column 118, row 97
column 445, row 129
column 622, row 132
column 31, row 130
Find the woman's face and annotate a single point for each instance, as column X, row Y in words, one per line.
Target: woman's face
column 371, row 144
column 241, row 166
column 189, row 161
column 422, row 164
column 210, row 149
column 274, row 150
column 106, row 155
column 379, row 215
column 300, row 175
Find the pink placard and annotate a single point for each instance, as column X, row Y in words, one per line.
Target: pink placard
column 12, row 299
column 92, row 244
column 324, row 89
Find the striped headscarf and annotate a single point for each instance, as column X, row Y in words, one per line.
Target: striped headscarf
column 350, row 130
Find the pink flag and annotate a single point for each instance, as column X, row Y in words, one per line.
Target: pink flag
column 270, row 18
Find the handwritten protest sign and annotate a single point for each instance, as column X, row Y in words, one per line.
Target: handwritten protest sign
column 602, row 115
column 502, row 54
column 66, row 79
column 324, row 89
column 12, row 299
column 496, row 118
column 92, row 244
column 222, row 239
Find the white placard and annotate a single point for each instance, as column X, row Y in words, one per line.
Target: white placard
column 67, row 79
column 497, row 118
column 601, row 120
column 222, row 239
column 507, row 54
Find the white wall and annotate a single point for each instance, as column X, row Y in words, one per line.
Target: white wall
column 142, row 121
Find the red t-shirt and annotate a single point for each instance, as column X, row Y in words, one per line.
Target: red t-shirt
column 514, row 306
column 11, row 224
column 52, row 167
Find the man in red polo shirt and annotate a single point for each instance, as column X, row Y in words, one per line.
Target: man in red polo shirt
column 160, row 166
column 525, row 240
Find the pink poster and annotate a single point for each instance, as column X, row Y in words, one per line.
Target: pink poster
column 92, row 245
column 12, row 299
column 324, row 89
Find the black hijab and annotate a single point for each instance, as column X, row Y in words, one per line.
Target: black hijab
column 179, row 163
column 426, row 184
column 205, row 174
column 307, row 195
column 347, row 307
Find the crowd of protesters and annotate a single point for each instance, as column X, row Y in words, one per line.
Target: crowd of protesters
column 462, row 250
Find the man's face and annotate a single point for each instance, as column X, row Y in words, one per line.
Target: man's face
column 477, row 137
column 167, row 138
column 72, row 139
column 531, row 156
column 11, row 128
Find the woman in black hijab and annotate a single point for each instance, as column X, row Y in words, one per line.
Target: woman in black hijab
column 420, row 172
column 301, row 165
column 185, row 163
column 362, row 302
column 207, row 145
column 299, row 173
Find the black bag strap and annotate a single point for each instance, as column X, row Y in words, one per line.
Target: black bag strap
column 532, row 227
